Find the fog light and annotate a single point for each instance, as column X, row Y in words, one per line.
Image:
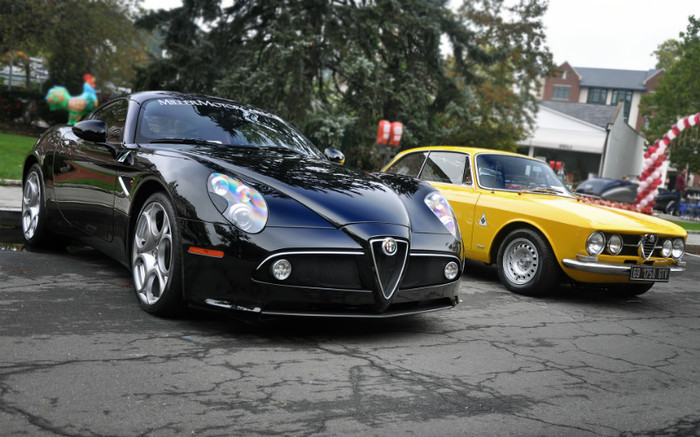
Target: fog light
column 451, row 270
column 281, row 269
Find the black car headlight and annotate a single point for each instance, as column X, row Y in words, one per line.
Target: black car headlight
column 442, row 210
column 239, row 203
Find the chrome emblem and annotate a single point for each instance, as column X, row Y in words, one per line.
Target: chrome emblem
column 647, row 244
column 389, row 246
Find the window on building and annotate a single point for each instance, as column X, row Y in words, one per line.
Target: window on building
column 597, row 96
column 623, row 96
column 561, row 92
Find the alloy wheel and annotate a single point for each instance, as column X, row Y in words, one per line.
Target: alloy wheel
column 152, row 254
column 31, row 205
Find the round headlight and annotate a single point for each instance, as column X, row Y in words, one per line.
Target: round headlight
column 241, row 204
column 615, row 245
column 451, row 270
column 666, row 248
column 678, row 248
column 281, row 269
column 595, row 243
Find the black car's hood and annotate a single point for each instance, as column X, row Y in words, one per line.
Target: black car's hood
column 340, row 195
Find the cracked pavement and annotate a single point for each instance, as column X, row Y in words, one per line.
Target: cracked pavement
column 80, row 358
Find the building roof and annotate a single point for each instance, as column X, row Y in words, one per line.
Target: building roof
column 610, row 78
column 598, row 115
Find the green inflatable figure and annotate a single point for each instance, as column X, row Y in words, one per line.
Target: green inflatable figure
column 59, row 99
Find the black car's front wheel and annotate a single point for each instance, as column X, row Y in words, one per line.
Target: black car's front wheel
column 156, row 258
column 526, row 264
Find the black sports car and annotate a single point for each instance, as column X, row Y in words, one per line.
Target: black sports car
column 216, row 204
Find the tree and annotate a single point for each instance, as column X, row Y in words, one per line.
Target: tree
column 20, row 30
column 677, row 95
column 76, row 37
column 334, row 68
column 503, row 102
column 667, row 53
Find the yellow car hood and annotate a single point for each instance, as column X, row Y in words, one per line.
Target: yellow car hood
column 602, row 217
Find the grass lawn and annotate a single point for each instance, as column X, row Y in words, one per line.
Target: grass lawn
column 13, row 150
column 693, row 226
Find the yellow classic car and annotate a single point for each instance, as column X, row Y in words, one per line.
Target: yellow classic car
column 514, row 211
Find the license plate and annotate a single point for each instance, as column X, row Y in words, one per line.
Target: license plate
column 650, row 274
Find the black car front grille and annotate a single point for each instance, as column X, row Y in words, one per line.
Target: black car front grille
column 351, row 271
column 389, row 266
column 326, row 270
column 425, row 270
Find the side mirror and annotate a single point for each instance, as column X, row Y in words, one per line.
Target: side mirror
column 91, row 130
column 334, row 155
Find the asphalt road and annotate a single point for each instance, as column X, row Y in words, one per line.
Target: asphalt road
column 78, row 357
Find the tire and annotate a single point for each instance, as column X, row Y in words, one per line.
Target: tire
column 526, row 263
column 629, row 290
column 156, row 258
column 34, row 208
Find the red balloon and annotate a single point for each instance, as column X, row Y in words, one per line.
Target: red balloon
column 396, row 132
column 383, row 132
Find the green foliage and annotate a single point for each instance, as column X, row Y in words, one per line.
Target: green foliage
column 677, row 95
column 667, row 53
column 76, row 37
column 335, row 68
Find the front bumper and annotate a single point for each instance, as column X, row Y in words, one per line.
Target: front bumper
column 333, row 275
column 602, row 268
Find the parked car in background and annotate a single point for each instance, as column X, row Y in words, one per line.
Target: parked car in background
column 616, row 190
column 666, row 200
column 516, row 213
column 220, row 205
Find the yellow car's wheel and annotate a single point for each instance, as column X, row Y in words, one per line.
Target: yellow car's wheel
column 526, row 264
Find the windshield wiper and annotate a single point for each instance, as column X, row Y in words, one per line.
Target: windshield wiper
column 186, row 141
column 544, row 190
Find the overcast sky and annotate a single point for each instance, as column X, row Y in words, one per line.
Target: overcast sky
column 619, row 34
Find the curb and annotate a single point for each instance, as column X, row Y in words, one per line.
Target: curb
column 11, row 182
column 10, row 216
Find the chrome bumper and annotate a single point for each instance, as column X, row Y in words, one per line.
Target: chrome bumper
column 612, row 269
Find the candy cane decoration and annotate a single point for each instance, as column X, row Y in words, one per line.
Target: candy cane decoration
column 655, row 163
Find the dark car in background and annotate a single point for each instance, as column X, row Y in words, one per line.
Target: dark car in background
column 217, row 204
column 623, row 191
column 616, row 190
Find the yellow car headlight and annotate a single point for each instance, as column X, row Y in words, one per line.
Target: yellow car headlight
column 614, row 245
column 678, row 248
column 595, row 243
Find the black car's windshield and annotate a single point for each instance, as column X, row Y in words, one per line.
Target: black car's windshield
column 211, row 121
column 508, row 172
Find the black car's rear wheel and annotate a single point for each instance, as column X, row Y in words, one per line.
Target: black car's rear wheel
column 526, row 264
column 156, row 258
column 33, row 208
